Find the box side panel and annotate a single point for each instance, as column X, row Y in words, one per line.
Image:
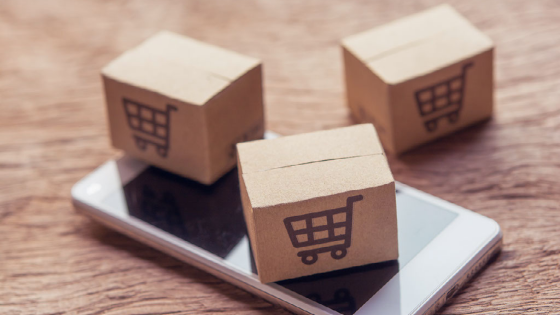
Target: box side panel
column 234, row 115
column 249, row 217
column 308, row 181
column 439, row 103
column 161, row 131
column 367, row 97
column 349, row 229
column 405, row 31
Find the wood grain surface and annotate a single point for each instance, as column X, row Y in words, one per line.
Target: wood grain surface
column 53, row 132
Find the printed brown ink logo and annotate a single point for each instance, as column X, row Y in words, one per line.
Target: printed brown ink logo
column 151, row 125
column 325, row 231
column 443, row 99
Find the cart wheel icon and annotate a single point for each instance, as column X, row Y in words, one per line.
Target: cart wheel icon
column 162, row 151
column 141, row 144
column 339, row 253
column 431, row 125
column 453, row 117
column 309, row 259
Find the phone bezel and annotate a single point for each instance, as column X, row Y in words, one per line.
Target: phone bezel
column 413, row 290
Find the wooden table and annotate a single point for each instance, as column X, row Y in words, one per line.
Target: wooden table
column 53, row 132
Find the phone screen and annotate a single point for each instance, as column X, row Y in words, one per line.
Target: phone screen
column 211, row 217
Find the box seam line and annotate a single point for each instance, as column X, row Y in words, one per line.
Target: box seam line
column 313, row 162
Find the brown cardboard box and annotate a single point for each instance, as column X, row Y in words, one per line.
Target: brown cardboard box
column 318, row 202
column 420, row 77
column 182, row 105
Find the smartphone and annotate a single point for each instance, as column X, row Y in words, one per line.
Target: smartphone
column 441, row 245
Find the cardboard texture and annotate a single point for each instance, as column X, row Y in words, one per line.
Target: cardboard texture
column 182, row 105
column 318, row 202
column 419, row 78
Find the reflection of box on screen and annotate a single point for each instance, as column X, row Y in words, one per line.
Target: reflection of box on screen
column 420, row 77
column 207, row 216
column 344, row 291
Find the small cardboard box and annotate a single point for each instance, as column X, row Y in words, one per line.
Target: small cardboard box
column 182, row 105
column 318, row 202
column 420, row 77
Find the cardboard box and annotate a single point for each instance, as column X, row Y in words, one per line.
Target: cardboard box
column 182, row 105
column 318, row 202
column 419, row 78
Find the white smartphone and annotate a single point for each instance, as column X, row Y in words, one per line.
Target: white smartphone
column 441, row 245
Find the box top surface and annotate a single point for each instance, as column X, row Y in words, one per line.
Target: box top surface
column 264, row 155
column 179, row 67
column 312, row 165
column 418, row 44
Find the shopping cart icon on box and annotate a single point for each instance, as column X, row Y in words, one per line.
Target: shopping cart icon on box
column 443, row 99
column 151, row 125
column 321, row 232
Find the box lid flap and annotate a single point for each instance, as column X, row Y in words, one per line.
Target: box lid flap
column 180, row 67
column 316, row 180
column 341, row 143
column 418, row 44
column 162, row 76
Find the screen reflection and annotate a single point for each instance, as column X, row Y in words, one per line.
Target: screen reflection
column 210, row 217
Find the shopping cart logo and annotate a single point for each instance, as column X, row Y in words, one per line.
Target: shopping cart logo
column 331, row 228
column 150, row 125
column 443, row 99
